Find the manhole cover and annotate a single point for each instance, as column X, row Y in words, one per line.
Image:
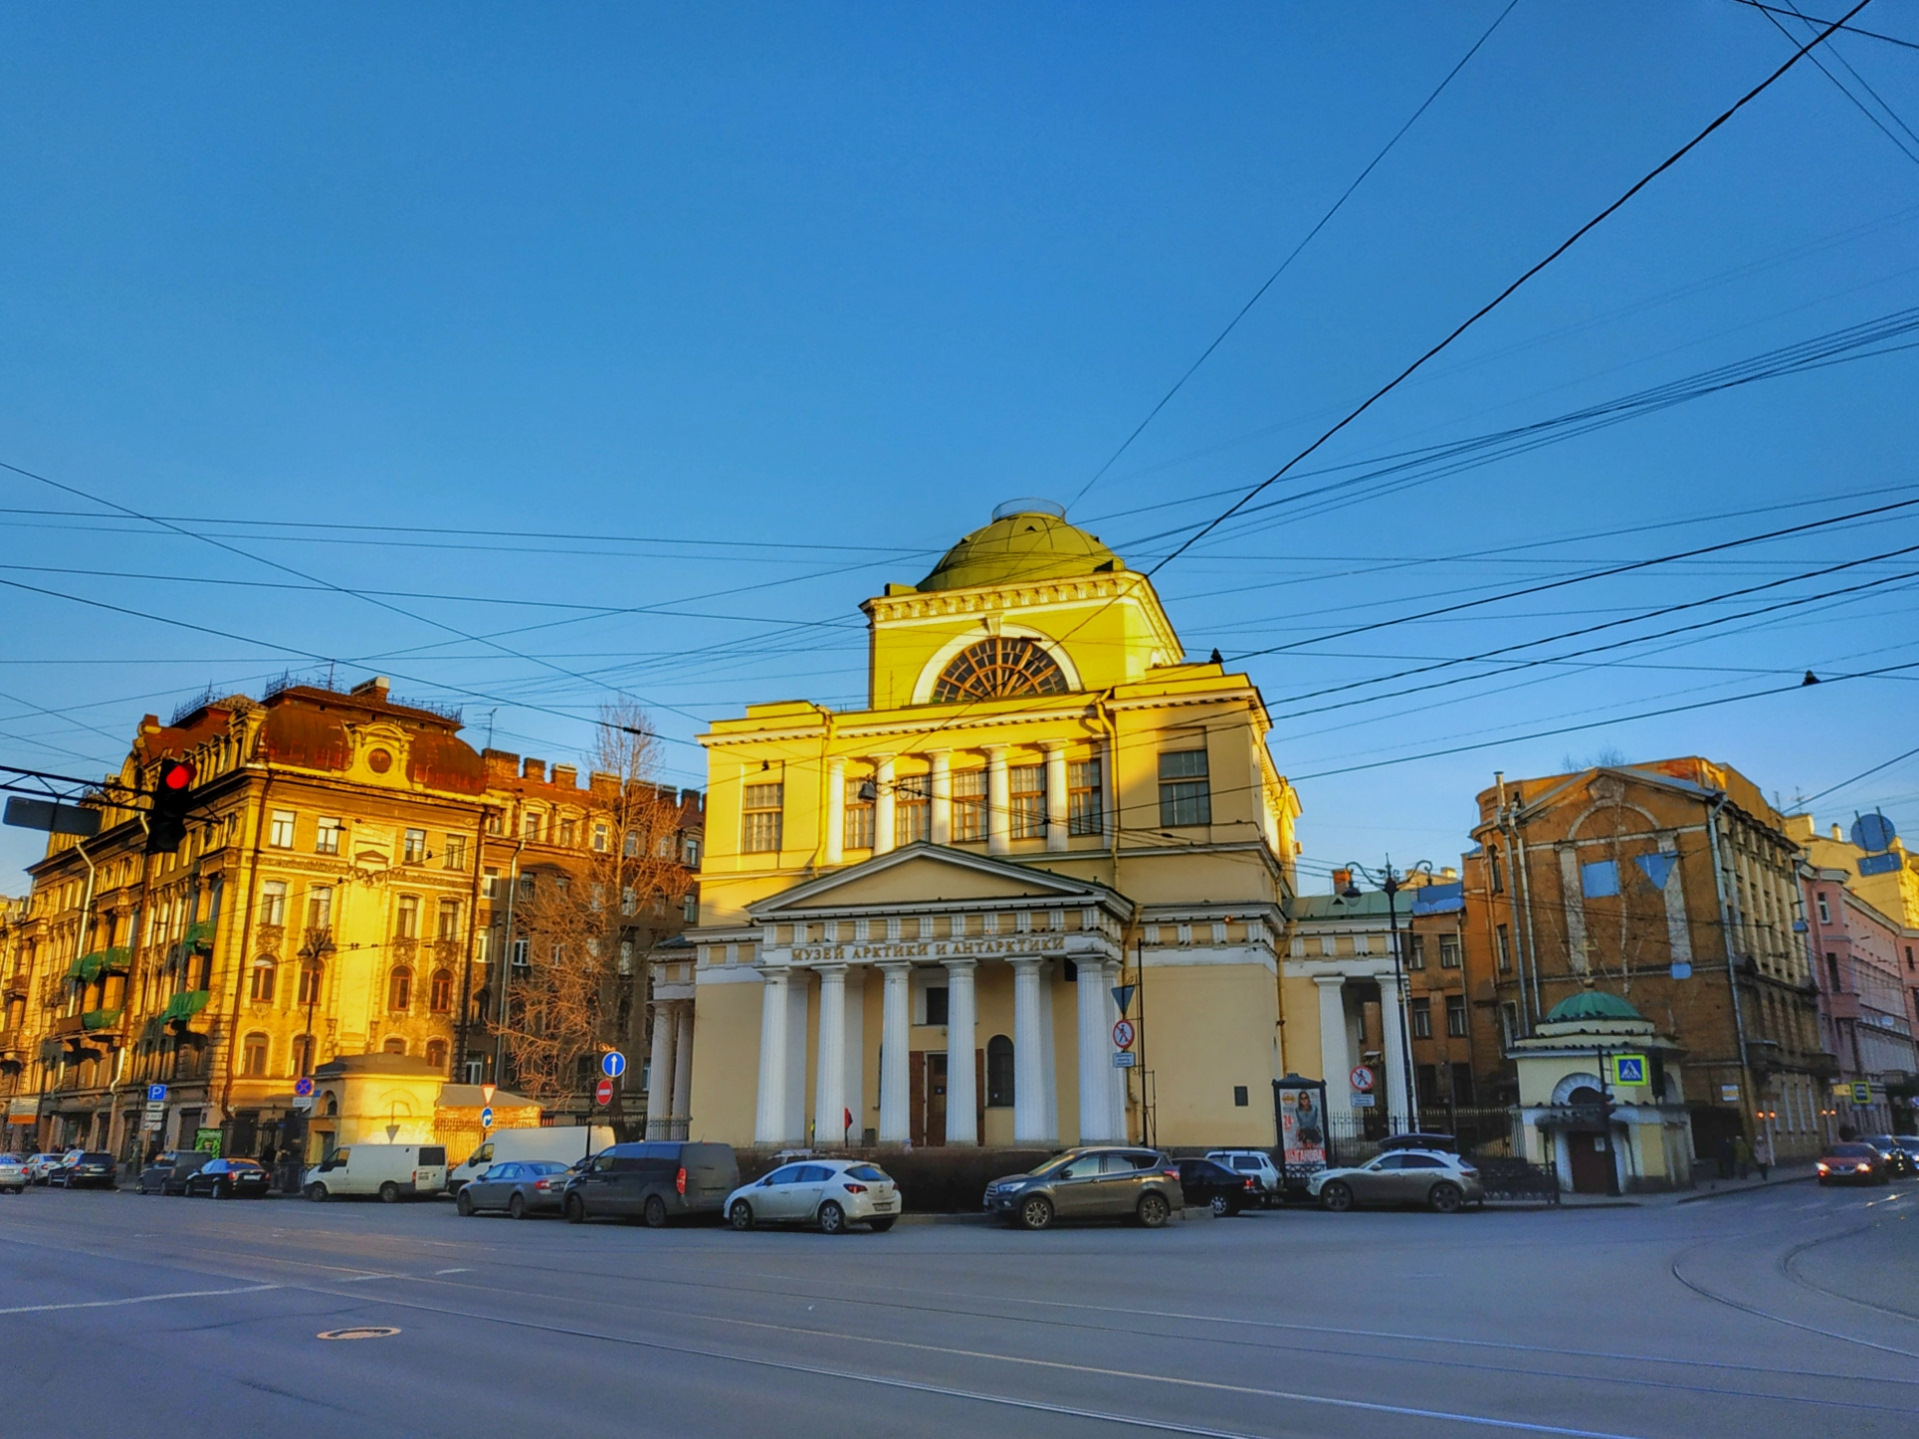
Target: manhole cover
column 365, row 1331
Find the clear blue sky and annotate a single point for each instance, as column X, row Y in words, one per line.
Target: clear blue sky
column 827, row 284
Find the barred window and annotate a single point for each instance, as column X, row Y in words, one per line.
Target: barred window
column 969, row 805
column 912, row 809
column 760, row 828
column 1084, row 802
column 1028, row 800
column 1185, row 797
column 859, row 814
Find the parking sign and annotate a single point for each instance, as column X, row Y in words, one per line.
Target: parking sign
column 156, row 1094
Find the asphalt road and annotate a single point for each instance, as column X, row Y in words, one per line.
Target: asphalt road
column 1783, row 1312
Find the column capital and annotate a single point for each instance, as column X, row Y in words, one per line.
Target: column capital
column 775, row 973
column 888, row 966
column 834, row 971
column 1055, row 746
column 996, row 750
column 959, row 963
column 882, row 757
column 1329, row 981
column 1033, row 961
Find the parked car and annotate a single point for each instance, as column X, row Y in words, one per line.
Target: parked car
column 1433, row 1143
column 521, row 1187
column 1259, row 1164
column 170, row 1170
column 13, row 1174
column 1901, row 1151
column 392, row 1171
column 831, row 1193
column 1439, row 1181
column 40, row 1167
column 1089, row 1183
column 564, row 1143
column 1853, row 1164
column 656, row 1180
column 230, row 1179
column 1225, row 1191
column 87, row 1169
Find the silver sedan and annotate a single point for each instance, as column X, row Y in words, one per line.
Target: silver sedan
column 520, row 1187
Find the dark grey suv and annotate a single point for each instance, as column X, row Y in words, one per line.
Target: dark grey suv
column 1091, row 1183
column 655, row 1181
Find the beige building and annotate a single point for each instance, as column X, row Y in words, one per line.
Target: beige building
column 913, row 916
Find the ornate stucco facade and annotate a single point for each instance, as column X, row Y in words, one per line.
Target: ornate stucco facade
column 913, row 916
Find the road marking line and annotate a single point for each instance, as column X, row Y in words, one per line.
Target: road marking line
column 453, row 1271
column 138, row 1299
column 364, row 1278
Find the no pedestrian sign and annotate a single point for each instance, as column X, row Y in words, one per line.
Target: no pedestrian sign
column 1361, row 1078
column 1123, row 1034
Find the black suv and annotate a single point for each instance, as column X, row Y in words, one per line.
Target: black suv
column 90, row 1170
column 656, row 1181
column 169, row 1172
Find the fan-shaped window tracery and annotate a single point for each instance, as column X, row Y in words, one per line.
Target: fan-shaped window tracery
column 1002, row 667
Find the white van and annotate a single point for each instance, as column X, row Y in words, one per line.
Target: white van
column 565, row 1144
column 392, row 1171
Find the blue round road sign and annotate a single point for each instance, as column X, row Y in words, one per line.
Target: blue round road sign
column 303, row 1086
column 1873, row 833
column 612, row 1064
column 486, row 1117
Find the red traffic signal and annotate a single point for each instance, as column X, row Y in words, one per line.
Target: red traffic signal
column 168, row 806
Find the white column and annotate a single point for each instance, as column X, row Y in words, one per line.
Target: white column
column 1049, row 1057
column 1029, row 1056
column 1335, row 1055
column 769, row 1119
column 1115, row 1078
column 999, row 802
column 829, row 1092
column 962, row 1080
column 883, row 807
column 681, row 1112
column 1095, row 1088
column 1056, row 826
column 940, row 805
column 835, row 811
column 659, row 1074
column 797, row 995
column 1392, row 1041
column 896, row 1125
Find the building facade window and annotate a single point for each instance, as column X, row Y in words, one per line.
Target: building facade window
column 1495, row 872
column 999, row 668
column 1503, row 947
column 436, row 1054
column 253, row 1056
column 406, row 917
column 912, row 812
column 762, row 818
column 448, row 920
column 273, row 903
column 691, row 853
column 453, row 851
column 1415, row 951
column 601, row 836
column 1185, row 796
column 530, row 826
column 999, row 1072
column 280, row 829
column 394, row 1045
column 413, row 847
column 1027, row 798
column 1825, row 911
column 859, row 814
column 1085, row 803
column 312, row 976
column 326, row 836
column 439, row 993
column 1456, row 1015
column 320, row 906
column 260, row 980
column 1421, row 1010
column 969, row 805
column 399, row 990
column 569, row 833
column 1449, row 951
column 519, row 955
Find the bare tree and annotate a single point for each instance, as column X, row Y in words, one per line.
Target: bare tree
column 592, row 922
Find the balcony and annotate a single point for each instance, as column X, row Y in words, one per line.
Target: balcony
column 89, row 967
column 96, row 1020
column 13, row 1044
column 183, row 1006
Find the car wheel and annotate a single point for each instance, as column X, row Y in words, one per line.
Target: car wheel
column 1154, row 1210
column 464, row 1203
column 389, row 1193
column 1222, row 1206
column 654, row 1212
column 1036, row 1213
column 880, row 1226
column 575, row 1209
column 1445, row 1198
column 516, row 1206
column 317, row 1192
column 832, row 1218
column 1336, row 1197
column 740, row 1216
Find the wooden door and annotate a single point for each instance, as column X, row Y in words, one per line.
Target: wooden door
column 1591, row 1164
column 936, row 1100
column 916, row 1097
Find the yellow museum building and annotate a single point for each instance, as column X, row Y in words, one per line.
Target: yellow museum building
column 913, row 916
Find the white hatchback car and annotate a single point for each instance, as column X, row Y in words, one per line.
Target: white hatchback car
column 831, row 1193
column 1257, row 1163
column 13, row 1174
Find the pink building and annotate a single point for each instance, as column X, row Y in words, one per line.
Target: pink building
column 1858, row 960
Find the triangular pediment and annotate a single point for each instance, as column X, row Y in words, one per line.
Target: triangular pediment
column 930, row 874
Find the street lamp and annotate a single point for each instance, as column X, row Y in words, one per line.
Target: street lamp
column 1392, row 881
column 313, row 953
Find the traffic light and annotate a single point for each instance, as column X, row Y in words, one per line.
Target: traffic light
column 172, row 798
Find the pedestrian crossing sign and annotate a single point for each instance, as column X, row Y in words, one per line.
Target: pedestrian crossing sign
column 1628, row 1068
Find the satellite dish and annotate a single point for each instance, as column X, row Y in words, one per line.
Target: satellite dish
column 1873, row 832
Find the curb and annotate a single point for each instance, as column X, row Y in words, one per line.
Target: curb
column 1747, row 1189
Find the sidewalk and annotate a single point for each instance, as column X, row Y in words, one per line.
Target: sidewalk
column 1711, row 1189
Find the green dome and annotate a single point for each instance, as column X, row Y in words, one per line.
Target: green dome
column 1593, row 1004
column 1027, row 540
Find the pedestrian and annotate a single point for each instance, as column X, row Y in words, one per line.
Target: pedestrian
column 1762, row 1155
column 1741, row 1155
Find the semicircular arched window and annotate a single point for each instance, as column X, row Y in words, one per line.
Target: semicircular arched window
column 1003, row 667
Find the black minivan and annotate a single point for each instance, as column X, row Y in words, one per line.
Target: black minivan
column 656, row 1181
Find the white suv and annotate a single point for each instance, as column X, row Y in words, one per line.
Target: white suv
column 1259, row 1164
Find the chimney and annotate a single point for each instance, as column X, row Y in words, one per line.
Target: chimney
column 1836, row 833
column 534, row 769
column 566, row 776
column 374, row 689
